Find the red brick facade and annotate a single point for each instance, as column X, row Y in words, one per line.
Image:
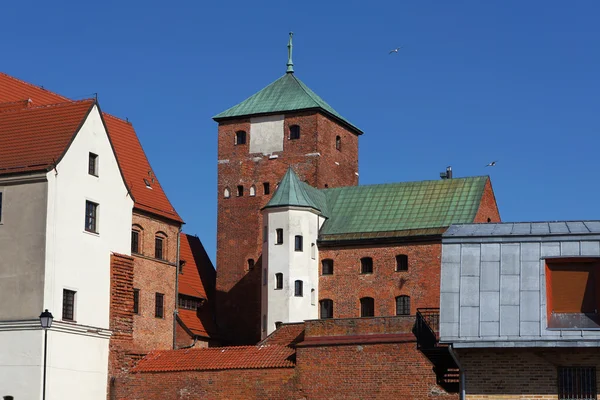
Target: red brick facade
column 239, row 230
column 488, row 208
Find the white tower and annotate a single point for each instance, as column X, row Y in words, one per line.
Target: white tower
column 290, row 281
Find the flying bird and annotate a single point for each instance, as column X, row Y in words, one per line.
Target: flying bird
column 395, row 50
column 492, row 164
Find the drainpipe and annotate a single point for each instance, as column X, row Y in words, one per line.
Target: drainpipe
column 175, row 310
column 462, row 380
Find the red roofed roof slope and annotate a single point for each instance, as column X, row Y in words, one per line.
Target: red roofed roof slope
column 130, row 154
column 197, row 279
column 217, row 358
column 286, row 335
column 35, row 139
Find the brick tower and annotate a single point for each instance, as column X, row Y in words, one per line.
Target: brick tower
column 285, row 124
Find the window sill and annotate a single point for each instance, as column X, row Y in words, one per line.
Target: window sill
column 91, row 233
column 278, row 288
column 68, row 321
column 366, row 273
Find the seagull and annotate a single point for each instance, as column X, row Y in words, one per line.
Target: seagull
column 492, row 164
column 395, row 50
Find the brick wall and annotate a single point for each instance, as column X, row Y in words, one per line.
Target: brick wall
column 153, row 276
column 239, row 226
column 520, row 374
column 488, row 208
column 347, row 285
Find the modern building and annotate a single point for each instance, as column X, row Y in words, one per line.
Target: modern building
column 519, row 308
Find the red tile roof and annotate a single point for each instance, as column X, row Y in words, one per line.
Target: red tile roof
column 198, row 280
column 286, row 335
column 35, row 139
column 130, row 154
column 217, row 358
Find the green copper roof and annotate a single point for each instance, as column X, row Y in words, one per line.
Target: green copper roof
column 286, row 94
column 292, row 192
column 388, row 210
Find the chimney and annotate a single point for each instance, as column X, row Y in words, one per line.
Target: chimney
column 447, row 174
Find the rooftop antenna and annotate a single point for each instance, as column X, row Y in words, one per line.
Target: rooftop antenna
column 290, row 63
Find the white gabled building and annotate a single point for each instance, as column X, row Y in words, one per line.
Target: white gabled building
column 290, row 286
column 64, row 208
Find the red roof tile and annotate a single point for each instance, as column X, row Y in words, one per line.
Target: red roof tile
column 286, row 335
column 217, row 358
column 34, row 139
column 130, row 154
column 198, row 280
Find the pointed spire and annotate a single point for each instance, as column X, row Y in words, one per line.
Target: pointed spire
column 290, row 63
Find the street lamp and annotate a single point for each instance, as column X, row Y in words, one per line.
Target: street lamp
column 46, row 322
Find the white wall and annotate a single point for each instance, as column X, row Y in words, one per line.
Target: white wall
column 266, row 134
column 21, row 360
column 282, row 305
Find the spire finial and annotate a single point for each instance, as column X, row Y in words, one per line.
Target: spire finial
column 290, row 63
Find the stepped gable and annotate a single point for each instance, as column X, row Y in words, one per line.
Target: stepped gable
column 218, row 358
column 35, row 139
column 197, row 279
column 128, row 149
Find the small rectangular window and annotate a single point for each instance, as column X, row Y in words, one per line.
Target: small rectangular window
column 91, row 217
column 240, row 137
column 326, row 308
column 313, row 251
column 312, row 297
column 298, row 289
column 366, row 265
column 250, row 264
column 135, row 242
column 294, row 132
column 136, row 301
column 401, row 262
column 266, row 188
column 240, row 191
column 68, row 308
column 93, row 164
column 298, row 243
column 577, row 383
column 279, row 280
column 158, row 248
column 403, row 305
column 327, row 267
column 367, row 307
column 279, row 232
column 159, row 310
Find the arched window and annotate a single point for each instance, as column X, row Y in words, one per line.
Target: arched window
column 312, row 297
column 252, row 190
column 327, row 267
column 401, row 262
column 240, row 137
column 313, row 251
column 279, row 280
column 240, row 190
column 403, row 305
column 160, row 246
column 250, row 264
column 298, row 289
column 226, row 193
column 338, row 143
column 294, row 132
column 326, row 308
column 136, row 239
column 366, row 265
column 367, row 307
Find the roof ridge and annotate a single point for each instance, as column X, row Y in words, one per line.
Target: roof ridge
column 117, row 118
column 404, row 182
column 299, row 83
column 32, row 85
column 42, row 106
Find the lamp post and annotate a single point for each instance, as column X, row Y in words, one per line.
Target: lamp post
column 46, row 322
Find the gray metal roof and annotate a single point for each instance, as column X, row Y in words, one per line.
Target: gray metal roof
column 549, row 228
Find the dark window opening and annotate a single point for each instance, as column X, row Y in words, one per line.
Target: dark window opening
column 326, row 306
column 189, row 302
column 250, row 264
column 577, row 383
column 277, row 324
column 181, row 265
column 294, row 132
column 298, row 289
column 279, row 280
column 366, row 265
column 338, row 143
column 489, row 220
column 93, row 164
column 91, row 217
column 402, row 262
column 0, row 206
column 135, row 242
column 279, row 232
column 403, row 305
column 327, row 267
column 68, row 308
column 240, row 137
column 240, row 191
column 159, row 310
column 158, row 248
column 266, row 188
column 136, row 301
column 298, row 243
column 367, row 307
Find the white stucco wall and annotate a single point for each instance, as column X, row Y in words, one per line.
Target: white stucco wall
column 266, row 134
column 281, row 305
column 21, row 360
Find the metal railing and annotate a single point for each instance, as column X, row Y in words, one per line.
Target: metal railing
column 427, row 326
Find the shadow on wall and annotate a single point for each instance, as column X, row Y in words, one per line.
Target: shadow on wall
column 242, row 304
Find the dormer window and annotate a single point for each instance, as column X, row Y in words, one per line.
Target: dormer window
column 294, row 132
column 240, row 138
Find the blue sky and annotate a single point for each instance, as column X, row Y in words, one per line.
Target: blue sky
column 476, row 81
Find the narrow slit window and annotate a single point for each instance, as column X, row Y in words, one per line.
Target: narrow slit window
column 0, row 206
column 294, row 132
column 68, row 308
column 91, row 217
column 240, row 190
column 278, row 280
column 266, row 188
column 279, row 232
column 136, row 301
column 326, row 306
column 401, row 262
column 298, row 289
column 367, row 307
column 93, row 164
column 159, row 311
column 366, row 265
column 252, row 190
column 135, row 242
column 338, row 143
column 158, row 248
column 298, row 243
column 313, row 251
column 240, row 138
column 403, row 305
column 312, row 297
column 327, row 267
